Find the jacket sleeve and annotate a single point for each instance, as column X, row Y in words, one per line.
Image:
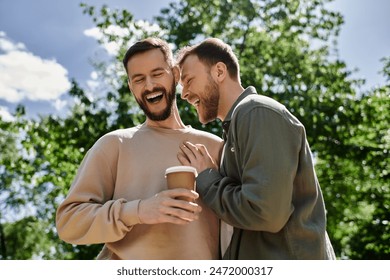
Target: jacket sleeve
column 88, row 214
column 266, row 151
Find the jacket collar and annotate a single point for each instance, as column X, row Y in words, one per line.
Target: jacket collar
column 226, row 123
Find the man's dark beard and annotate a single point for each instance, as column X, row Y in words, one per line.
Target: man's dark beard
column 171, row 97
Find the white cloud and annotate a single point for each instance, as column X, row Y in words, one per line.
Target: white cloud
column 5, row 114
column 112, row 48
column 27, row 76
column 8, row 46
column 138, row 28
column 93, row 33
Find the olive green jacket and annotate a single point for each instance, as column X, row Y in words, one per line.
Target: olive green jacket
column 267, row 188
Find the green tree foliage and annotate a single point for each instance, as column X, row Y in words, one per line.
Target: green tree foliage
column 286, row 51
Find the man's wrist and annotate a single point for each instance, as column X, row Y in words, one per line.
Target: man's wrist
column 206, row 178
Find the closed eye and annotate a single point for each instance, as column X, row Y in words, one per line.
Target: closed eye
column 159, row 74
column 138, row 80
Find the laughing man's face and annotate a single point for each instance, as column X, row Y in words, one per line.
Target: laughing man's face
column 152, row 82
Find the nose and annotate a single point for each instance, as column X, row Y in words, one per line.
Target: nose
column 184, row 93
column 149, row 83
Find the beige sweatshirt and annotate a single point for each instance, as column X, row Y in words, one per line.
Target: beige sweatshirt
column 123, row 167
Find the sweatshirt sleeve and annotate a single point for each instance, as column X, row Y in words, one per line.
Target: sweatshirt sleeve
column 265, row 161
column 89, row 215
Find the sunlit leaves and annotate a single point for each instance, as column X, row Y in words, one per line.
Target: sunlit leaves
column 285, row 51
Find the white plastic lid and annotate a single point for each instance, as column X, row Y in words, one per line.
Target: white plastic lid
column 181, row 168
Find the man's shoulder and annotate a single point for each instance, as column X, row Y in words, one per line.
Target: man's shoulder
column 260, row 101
column 123, row 132
column 267, row 109
column 117, row 136
column 205, row 135
column 257, row 104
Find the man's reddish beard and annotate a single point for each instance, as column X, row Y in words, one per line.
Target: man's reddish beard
column 210, row 101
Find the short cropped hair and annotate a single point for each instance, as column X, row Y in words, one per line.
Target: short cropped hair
column 210, row 52
column 146, row 45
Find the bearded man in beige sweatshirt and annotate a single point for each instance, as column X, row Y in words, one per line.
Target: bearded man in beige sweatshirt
column 119, row 196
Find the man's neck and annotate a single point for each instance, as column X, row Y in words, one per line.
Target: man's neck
column 172, row 122
column 229, row 93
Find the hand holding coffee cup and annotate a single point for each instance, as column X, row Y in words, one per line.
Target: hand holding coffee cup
column 181, row 177
column 164, row 207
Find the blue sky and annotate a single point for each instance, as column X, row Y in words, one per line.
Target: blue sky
column 45, row 43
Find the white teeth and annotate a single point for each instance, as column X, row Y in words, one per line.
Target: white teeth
column 153, row 95
column 196, row 103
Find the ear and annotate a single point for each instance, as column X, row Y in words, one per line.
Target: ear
column 219, row 72
column 176, row 73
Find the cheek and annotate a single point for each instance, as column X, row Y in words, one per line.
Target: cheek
column 195, row 88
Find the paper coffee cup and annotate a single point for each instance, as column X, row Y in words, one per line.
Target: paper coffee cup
column 181, row 177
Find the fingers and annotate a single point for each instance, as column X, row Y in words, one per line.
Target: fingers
column 165, row 208
column 188, row 152
column 180, row 211
column 196, row 155
column 202, row 150
column 183, row 159
column 188, row 211
column 191, row 149
column 173, row 193
column 191, row 152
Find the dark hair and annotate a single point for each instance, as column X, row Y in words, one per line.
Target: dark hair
column 146, row 45
column 210, row 52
